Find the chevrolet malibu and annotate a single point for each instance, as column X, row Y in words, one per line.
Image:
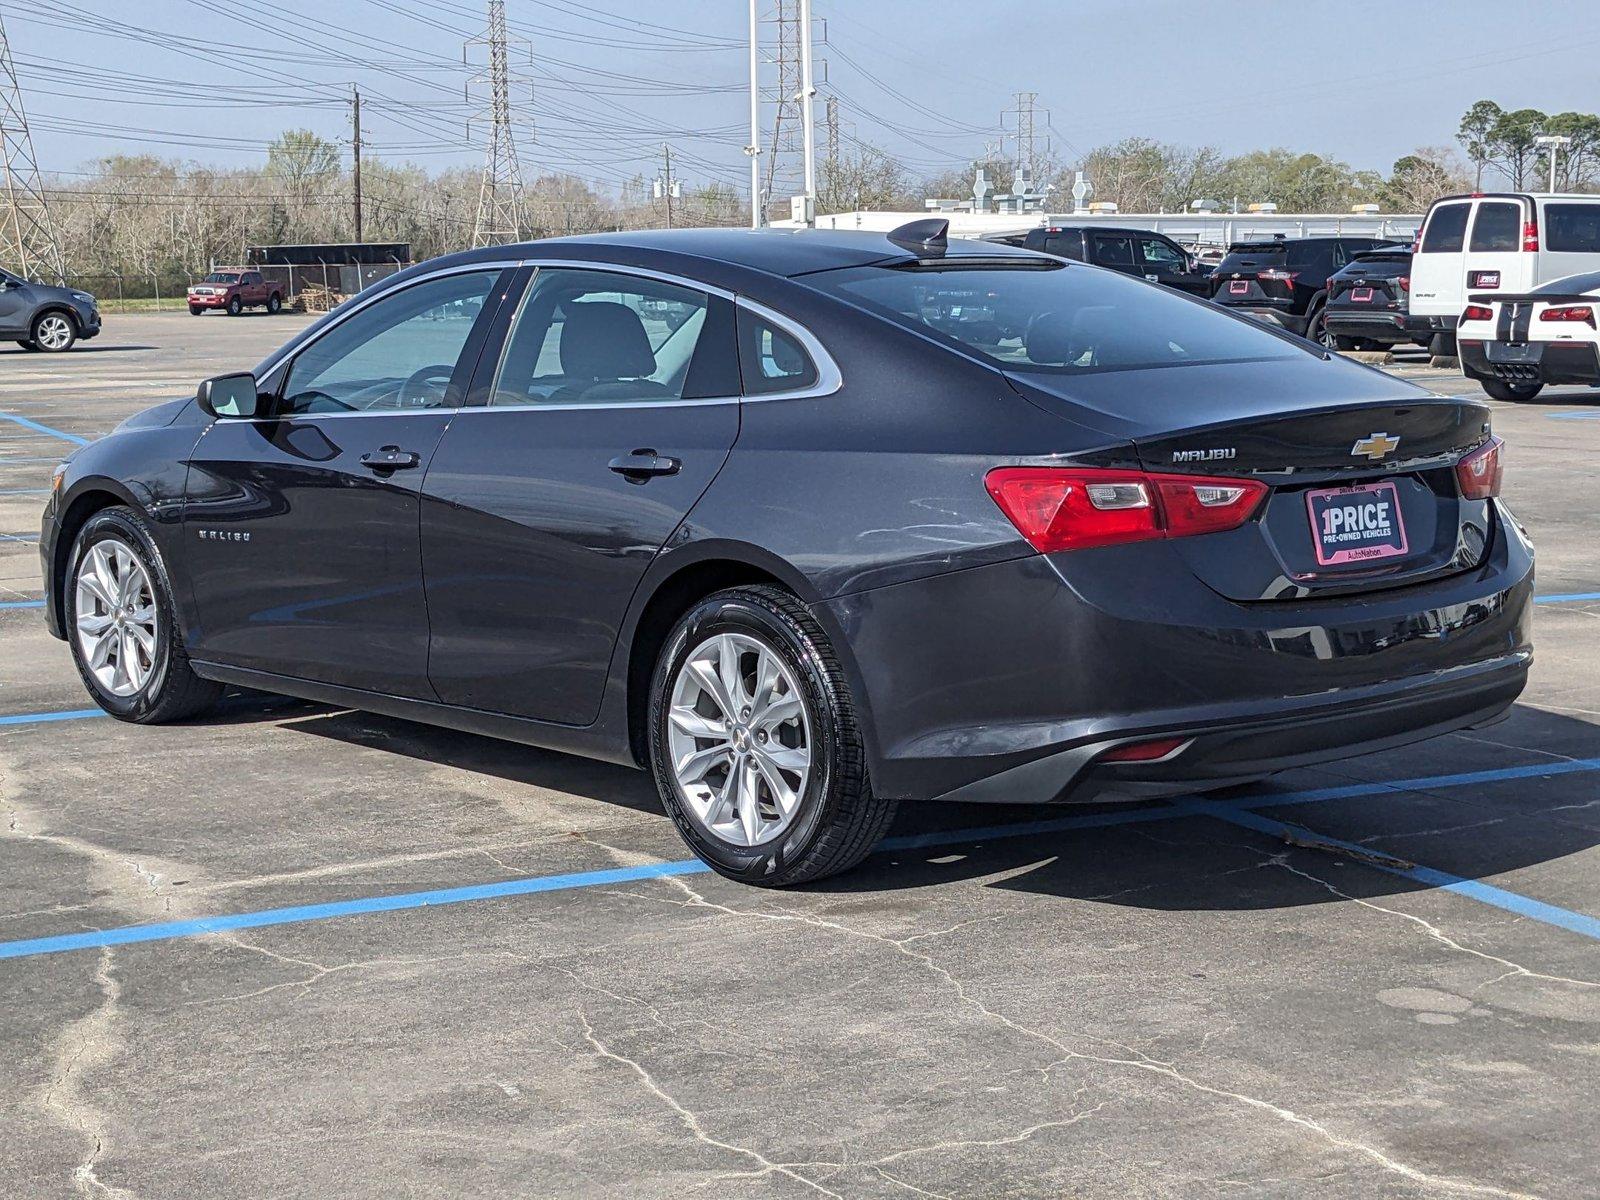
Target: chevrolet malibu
column 808, row 524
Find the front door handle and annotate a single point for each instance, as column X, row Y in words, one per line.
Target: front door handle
column 642, row 465
column 390, row 458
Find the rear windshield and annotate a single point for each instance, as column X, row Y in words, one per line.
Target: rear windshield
column 222, row 277
column 1447, row 230
column 1379, row 264
column 1574, row 228
column 1498, row 227
column 1058, row 318
column 1249, row 258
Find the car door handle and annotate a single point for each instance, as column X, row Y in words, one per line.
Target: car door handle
column 641, row 465
column 390, row 458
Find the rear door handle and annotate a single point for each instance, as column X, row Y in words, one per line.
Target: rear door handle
column 390, row 458
column 641, row 465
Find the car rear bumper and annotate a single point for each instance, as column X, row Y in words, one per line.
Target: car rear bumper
column 1006, row 683
column 1281, row 318
column 1558, row 362
column 1378, row 326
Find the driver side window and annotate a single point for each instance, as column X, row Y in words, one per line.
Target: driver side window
column 397, row 354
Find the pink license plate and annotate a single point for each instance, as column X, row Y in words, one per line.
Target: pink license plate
column 1361, row 295
column 1238, row 287
column 1356, row 524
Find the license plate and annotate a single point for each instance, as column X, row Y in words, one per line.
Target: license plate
column 1238, row 287
column 1484, row 279
column 1361, row 295
column 1513, row 352
column 1356, row 524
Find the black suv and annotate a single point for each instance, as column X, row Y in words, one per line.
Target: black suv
column 1284, row 281
column 1153, row 256
column 1369, row 302
column 40, row 317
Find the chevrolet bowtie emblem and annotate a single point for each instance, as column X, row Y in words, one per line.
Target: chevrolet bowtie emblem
column 1379, row 445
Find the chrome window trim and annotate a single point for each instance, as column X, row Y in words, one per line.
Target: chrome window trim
column 829, row 378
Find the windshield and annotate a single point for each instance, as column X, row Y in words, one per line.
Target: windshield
column 222, row 277
column 1056, row 317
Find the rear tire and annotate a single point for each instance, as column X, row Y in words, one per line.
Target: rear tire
column 26, row 344
column 1499, row 389
column 128, row 610
column 1442, row 345
column 274, row 302
column 1317, row 331
column 778, row 650
column 1340, row 342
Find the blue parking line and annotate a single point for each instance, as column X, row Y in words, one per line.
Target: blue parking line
column 21, row 603
column 1484, row 893
column 1566, row 597
column 1238, row 813
column 26, row 538
column 27, row 423
column 1574, row 416
column 76, row 714
column 24, row 491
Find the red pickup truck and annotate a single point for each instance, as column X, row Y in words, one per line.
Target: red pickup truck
column 234, row 289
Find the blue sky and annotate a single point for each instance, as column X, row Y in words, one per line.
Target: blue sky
column 1364, row 80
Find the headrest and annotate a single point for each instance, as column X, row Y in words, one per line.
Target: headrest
column 602, row 339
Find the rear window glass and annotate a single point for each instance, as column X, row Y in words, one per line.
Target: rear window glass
column 1497, row 228
column 1447, row 230
column 1250, row 260
column 1379, row 266
column 1574, row 228
column 1057, row 319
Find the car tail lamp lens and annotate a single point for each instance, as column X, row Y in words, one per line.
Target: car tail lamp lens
column 1530, row 234
column 1276, row 276
column 1144, row 751
column 1077, row 508
column 1570, row 312
column 1477, row 312
column 1478, row 474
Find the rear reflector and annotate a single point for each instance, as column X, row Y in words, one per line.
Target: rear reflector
column 1478, row 474
column 1076, row 508
column 1144, row 751
column 1571, row 312
column 1477, row 312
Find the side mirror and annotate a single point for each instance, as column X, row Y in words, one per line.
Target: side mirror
column 230, row 396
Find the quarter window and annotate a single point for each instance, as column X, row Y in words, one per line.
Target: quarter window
column 1572, row 228
column 771, row 360
column 398, row 353
column 599, row 337
column 1447, row 230
column 1113, row 251
column 1497, row 228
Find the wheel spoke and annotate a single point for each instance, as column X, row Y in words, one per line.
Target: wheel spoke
column 732, row 677
column 146, row 639
column 711, row 683
column 780, row 710
column 696, row 726
column 93, row 624
column 749, row 800
column 782, row 793
column 721, row 806
column 692, row 767
column 100, row 652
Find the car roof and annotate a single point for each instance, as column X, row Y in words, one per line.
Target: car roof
column 783, row 252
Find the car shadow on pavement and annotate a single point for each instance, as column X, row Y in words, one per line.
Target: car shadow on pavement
column 80, row 348
column 1164, row 858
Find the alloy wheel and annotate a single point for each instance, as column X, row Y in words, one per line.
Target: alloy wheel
column 740, row 739
column 117, row 629
column 54, row 332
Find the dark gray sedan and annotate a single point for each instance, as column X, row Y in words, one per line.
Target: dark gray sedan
column 808, row 524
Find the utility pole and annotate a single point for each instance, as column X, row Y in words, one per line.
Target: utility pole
column 1552, row 143
column 667, row 184
column 502, row 211
column 831, row 123
column 808, row 92
column 754, row 148
column 355, row 147
column 28, row 243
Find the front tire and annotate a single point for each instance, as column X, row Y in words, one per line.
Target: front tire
column 1499, row 389
column 122, row 624
column 54, row 332
column 754, row 742
column 196, row 310
column 235, row 306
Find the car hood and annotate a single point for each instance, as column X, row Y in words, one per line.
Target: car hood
column 157, row 417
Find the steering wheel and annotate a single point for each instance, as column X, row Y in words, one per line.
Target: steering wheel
column 425, row 388
column 314, row 400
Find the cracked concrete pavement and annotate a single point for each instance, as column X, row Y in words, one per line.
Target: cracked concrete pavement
column 1178, row 1009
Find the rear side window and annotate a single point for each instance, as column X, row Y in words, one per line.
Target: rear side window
column 1064, row 245
column 1447, row 230
column 771, row 360
column 1572, row 228
column 1497, row 228
column 1113, row 251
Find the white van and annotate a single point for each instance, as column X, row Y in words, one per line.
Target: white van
column 1497, row 242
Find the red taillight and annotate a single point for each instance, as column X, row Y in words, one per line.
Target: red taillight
column 1478, row 474
column 1530, row 233
column 1276, row 276
column 1076, row 508
column 1571, row 312
column 1144, row 751
column 1477, row 312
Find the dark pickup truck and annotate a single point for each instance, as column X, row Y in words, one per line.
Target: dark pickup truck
column 1141, row 252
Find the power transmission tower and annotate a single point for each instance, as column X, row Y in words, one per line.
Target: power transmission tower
column 831, row 120
column 28, row 242
column 1030, row 148
column 502, row 211
column 785, row 144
